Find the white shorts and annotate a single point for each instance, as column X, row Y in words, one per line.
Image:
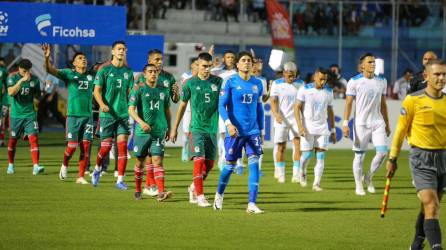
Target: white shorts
column 284, row 134
column 186, row 121
column 221, row 125
column 363, row 135
column 309, row 142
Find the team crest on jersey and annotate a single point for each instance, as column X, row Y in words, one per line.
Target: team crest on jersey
column 197, row 149
column 403, row 111
column 89, row 78
column 132, row 98
column 214, row 87
column 126, row 76
column 231, row 151
column 69, row 136
column 135, row 149
column 111, row 75
column 222, row 92
column 31, row 83
column 12, row 133
column 166, row 83
column 75, row 77
column 238, row 88
column 97, row 77
column 162, row 96
column 255, row 89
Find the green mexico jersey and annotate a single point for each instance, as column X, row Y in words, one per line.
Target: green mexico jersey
column 22, row 104
column 116, row 84
column 151, row 104
column 4, row 98
column 203, row 96
column 165, row 79
column 80, row 92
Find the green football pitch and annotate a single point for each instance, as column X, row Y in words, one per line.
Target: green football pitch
column 42, row 212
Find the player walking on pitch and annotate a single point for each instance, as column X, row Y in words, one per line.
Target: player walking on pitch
column 241, row 108
column 423, row 121
column 79, row 129
column 202, row 91
column 23, row 87
column 152, row 117
column 112, row 87
column 283, row 99
column 315, row 102
column 368, row 91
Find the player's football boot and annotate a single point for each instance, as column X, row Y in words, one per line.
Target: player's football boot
column 253, row 209
column 138, row 196
column 303, row 180
column 95, row 177
column 360, row 191
column 202, row 202
column 368, row 182
column 10, row 169
column 38, row 170
column 63, row 172
column 317, row 188
column 164, row 196
column 218, row 202
column 81, row 180
column 192, row 195
column 150, row 191
column 121, row 185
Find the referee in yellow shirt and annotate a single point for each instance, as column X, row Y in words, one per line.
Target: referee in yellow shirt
column 423, row 122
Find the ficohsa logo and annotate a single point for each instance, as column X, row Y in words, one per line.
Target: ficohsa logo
column 3, row 23
column 44, row 21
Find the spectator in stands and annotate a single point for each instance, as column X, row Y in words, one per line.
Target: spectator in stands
column 229, row 7
column 401, row 85
column 352, row 21
column 256, row 10
column 49, row 102
column 320, row 26
column 418, row 82
column 337, row 82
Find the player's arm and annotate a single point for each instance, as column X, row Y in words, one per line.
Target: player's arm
column 331, row 121
column 298, row 116
column 168, row 115
column 347, row 113
column 223, row 102
column 175, row 90
column 97, row 93
column 13, row 89
column 47, row 62
column 260, row 117
column 266, row 96
column 402, row 128
column 385, row 114
column 180, row 114
column 133, row 102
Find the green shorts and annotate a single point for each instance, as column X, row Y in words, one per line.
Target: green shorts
column 203, row 145
column 23, row 126
column 79, row 128
column 109, row 127
column 152, row 144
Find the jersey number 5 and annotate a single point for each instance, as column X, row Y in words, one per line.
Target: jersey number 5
column 207, row 97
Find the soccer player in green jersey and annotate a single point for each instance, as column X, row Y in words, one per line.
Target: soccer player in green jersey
column 112, row 87
column 4, row 103
column 23, row 87
column 165, row 80
column 79, row 129
column 152, row 118
column 202, row 91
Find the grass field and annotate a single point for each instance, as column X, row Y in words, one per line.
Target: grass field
column 41, row 212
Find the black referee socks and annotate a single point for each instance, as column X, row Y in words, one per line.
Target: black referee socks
column 433, row 233
column 419, row 233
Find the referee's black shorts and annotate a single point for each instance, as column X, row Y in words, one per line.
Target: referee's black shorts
column 428, row 168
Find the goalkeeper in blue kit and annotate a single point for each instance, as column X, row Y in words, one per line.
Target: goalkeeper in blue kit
column 241, row 109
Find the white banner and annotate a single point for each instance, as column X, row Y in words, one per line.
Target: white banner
column 393, row 108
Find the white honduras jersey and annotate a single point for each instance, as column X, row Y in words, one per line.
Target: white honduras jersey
column 263, row 80
column 315, row 104
column 184, row 77
column 225, row 74
column 367, row 94
column 286, row 94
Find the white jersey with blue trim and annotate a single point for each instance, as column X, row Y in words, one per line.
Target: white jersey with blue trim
column 286, row 94
column 367, row 93
column 225, row 74
column 315, row 103
column 184, row 77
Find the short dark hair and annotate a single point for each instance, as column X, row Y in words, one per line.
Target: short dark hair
column 25, row 64
column 364, row 56
column 321, row 70
column 244, row 53
column 147, row 66
column 118, row 42
column 228, row 52
column 76, row 55
column 205, row 56
column 2, row 59
column 153, row 52
column 408, row 70
column 193, row 59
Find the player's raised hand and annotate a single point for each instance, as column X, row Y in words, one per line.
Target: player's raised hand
column 105, row 109
column 46, row 50
column 346, row 131
column 175, row 89
column 232, row 130
column 211, row 50
column 173, row 135
column 391, row 167
column 26, row 77
column 146, row 127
